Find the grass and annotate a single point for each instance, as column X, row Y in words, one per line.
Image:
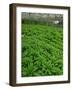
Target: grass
column 42, row 50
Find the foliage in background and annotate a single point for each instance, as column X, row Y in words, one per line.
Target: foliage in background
column 42, row 50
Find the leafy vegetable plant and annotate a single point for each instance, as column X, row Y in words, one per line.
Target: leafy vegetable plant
column 42, row 50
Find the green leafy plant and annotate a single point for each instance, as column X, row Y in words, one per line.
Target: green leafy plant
column 42, row 50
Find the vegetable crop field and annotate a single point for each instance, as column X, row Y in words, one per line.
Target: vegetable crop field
column 42, row 50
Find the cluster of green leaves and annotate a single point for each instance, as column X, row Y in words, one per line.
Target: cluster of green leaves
column 42, row 50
